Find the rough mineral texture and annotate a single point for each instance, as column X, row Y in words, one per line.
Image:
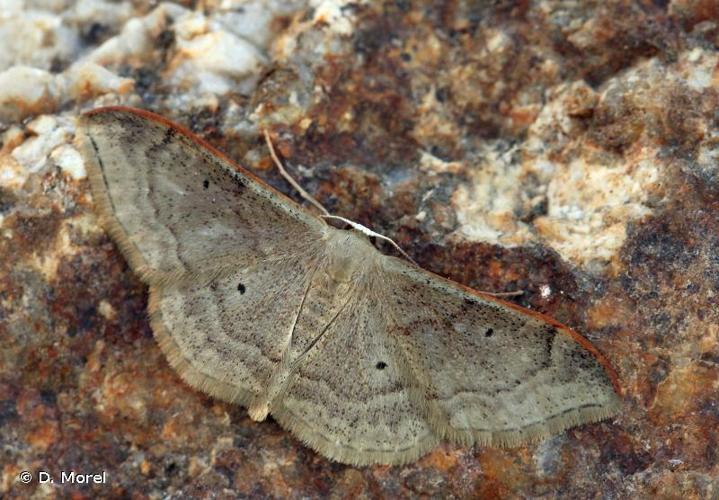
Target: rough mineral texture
column 566, row 149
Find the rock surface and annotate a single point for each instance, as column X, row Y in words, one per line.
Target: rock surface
column 566, row 149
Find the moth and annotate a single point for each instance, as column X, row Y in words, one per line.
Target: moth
column 363, row 356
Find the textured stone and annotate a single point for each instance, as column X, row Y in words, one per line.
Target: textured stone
column 566, row 149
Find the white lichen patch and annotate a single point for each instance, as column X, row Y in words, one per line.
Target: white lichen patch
column 47, row 134
column 335, row 14
column 40, row 41
column 485, row 206
column 554, row 127
column 308, row 40
column 103, row 12
column 34, row 37
column 87, row 79
column 12, row 174
column 28, row 91
column 211, row 51
column 589, row 206
column 587, row 196
column 25, row 91
column 252, row 21
column 136, row 40
column 699, row 68
column 212, row 60
column 70, row 161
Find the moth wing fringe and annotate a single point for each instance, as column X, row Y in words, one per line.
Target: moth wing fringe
column 346, row 454
column 188, row 372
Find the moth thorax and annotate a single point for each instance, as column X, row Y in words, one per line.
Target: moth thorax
column 349, row 254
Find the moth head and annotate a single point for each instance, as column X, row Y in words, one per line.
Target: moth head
column 370, row 237
column 350, row 252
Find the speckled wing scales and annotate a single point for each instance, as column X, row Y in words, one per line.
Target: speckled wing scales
column 417, row 359
column 228, row 336
column 489, row 372
column 178, row 207
column 226, row 257
column 350, row 397
column 364, row 357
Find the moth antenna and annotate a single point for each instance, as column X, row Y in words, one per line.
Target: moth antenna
column 325, row 212
column 514, row 293
column 367, row 231
column 307, row 196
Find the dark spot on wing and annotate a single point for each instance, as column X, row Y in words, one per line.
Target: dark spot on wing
column 381, row 365
column 169, row 134
column 205, row 184
column 241, row 288
column 489, row 332
column 551, row 335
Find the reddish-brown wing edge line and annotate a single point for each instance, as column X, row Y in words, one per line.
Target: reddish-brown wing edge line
column 154, row 117
column 582, row 341
column 576, row 336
